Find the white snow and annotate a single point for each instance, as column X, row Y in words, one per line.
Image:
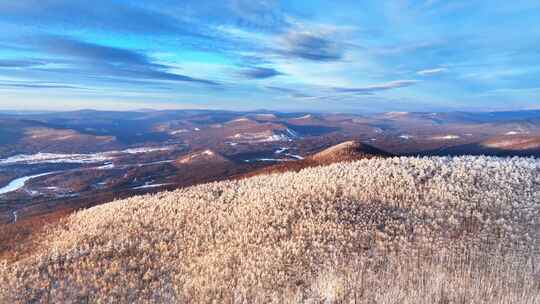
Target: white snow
column 295, row 156
column 446, row 137
column 148, row 186
column 266, row 160
column 145, row 150
column 176, row 132
column 284, row 149
column 55, row 158
column 189, row 158
column 155, row 163
column 395, row 114
column 275, row 137
column 91, row 158
column 262, row 137
column 281, row 150
column 106, row 167
column 292, row 133
column 238, row 120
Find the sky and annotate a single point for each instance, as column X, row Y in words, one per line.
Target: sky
column 321, row 56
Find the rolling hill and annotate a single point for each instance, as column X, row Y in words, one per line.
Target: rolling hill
column 344, row 152
column 378, row 230
column 347, row 151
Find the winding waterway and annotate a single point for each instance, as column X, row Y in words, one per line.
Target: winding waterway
column 18, row 183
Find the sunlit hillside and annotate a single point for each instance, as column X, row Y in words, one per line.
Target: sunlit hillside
column 392, row 230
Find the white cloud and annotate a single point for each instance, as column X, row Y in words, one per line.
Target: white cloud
column 430, row 72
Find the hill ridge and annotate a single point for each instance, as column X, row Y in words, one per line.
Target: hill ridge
column 309, row 235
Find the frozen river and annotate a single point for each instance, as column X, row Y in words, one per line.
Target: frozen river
column 18, row 183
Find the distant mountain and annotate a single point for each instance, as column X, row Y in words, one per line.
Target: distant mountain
column 506, row 145
column 514, row 143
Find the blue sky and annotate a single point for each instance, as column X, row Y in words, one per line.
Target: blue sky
column 337, row 56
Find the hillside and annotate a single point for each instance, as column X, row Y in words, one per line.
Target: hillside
column 205, row 166
column 350, row 150
column 520, row 142
column 379, row 230
column 344, row 152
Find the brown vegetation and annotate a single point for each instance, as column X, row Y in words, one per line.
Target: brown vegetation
column 22, row 239
column 395, row 230
column 519, row 142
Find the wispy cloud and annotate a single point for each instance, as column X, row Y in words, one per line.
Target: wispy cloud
column 377, row 87
column 291, row 92
column 22, row 63
column 95, row 59
column 66, row 46
column 201, row 51
column 311, row 46
column 39, row 86
column 430, row 72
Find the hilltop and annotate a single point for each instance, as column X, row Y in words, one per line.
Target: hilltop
column 344, row 152
column 378, row 230
column 347, row 151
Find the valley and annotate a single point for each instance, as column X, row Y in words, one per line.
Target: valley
column 57, row 161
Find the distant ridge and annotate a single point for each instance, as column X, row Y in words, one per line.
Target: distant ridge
column 520, row 142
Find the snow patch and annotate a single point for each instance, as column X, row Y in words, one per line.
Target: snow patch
column 446, row 137
column 40, row 157
column 395, row 114
column 262, row 137
column 238, row 120
column 106, row 167
column 266, row 160
column 281, row 150
column 176, row 132
column 190, row 158
column 295, row 156
column 149, row 186
column 145, row 150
